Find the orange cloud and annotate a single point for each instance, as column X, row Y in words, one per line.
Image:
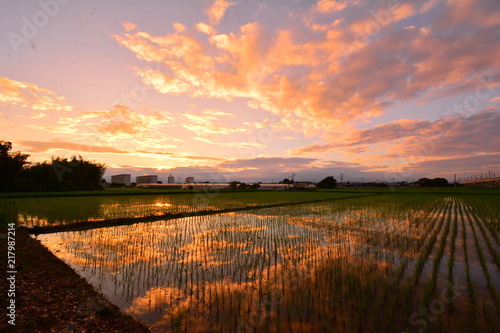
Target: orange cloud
column 120, row 127
column 209, row 123
column 404, row 11
column 326, row 77
column 217, row 10
column 330, row 6
column 129, row 26
column 41, row 146
column 179, row 27
column 205, row 28
column 181, row 156
column 28, row 95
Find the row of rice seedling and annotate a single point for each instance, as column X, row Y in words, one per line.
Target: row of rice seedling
column 349, row 265
column 482, row 252
column 429, row 246
column 451, row 259
column 488, row 235
column 486, row 206
column 438, row 257
column 440, row 306
column 421, row 232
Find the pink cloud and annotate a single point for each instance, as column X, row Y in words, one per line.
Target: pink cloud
column 448, row 136
column 455, row 136
column 469, row 164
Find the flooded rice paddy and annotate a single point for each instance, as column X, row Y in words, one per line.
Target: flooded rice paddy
column 381, row 263
column 49, row 211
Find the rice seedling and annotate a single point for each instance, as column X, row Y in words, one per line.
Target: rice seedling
column 359, row 264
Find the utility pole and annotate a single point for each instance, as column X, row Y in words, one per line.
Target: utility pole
column 293, row 177
column 455, row 180
column 341, row 177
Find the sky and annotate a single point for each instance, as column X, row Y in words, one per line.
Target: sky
column 252, row 90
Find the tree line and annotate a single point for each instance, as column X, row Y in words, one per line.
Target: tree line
column 58, row 174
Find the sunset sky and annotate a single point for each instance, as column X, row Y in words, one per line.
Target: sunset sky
column 255, row 90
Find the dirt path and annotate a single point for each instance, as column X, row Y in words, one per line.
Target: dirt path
column 51, row 297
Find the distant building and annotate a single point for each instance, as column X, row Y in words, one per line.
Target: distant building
column 205, row 186
column 121, row 179
column 303, row 185
column 264, row 186
column 189, row 180
column 171, row 179
column 169, row 186
column 147, row 179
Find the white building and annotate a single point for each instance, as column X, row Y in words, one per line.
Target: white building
column 206, row 186
column 274, row 186
column 147, row 179
column 171, row 179
column 121, row 179
column 169, row 186
column 189, row 180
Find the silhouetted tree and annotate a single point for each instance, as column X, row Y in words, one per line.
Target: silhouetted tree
column 243, row 186
column 436, row 182
column 11, row 165
column 234, row 185
column 58, row 174
column 286, row 181
column 65, row 174
column 328, row 182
